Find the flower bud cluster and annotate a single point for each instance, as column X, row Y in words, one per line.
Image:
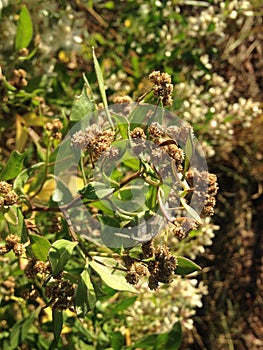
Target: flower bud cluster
column 13, row 243
column 54, row 128
column 61, row 292
column 159, row 266
column 35, row 267
column 93, row 139
column 206, row 187
column 19, row 78
column 163, row 88
column 7, row 195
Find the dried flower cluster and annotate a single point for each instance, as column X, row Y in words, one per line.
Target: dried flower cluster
column 7, row 195
column 19, row 78
column 166, row 146
column 163, row 88
column 159, row 268
column 13, row 243
column 122, row 99
column 61, row 293
column 94, row 140
column 34, row 267
column 206, row 187
column 54, row 128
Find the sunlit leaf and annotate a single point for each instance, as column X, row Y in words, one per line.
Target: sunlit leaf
column 23, row 177
column 185, row 266
column 191, row 211
column 122, row 124
column 11, row 216
column 59, row 254
column 39, row 246
column 17, row 224
column 109, row 271
column 24, row 29
column 96, row 190
column 13, row 166
column 83, row 106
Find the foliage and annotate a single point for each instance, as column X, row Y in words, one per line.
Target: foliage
column 45, row 47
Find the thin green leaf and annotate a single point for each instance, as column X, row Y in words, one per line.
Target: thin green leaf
column 60, row 253
column 108, row 270
column 24, row 29
column 101, row 86
column 85, row 298
column 186, row 266
column 40, row 246
column 13, row 166
column 57, row 321
column 191, row 211
column 189, row 151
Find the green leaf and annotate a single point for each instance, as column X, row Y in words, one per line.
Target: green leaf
column 22, row 178
column 83, row 105
column 175, row 337
column 117, row 340
column 85, row 298
column 96, row 190
column 169, row 341
column 40, row 246
column 24, row 31
column 122, row 305
column 185, row 266
column 107, row 269
column 101, row 86
column 189, row 151
column 122, row 124
column 100, row 79
column 104, row 206
column 11, row 216
column 18, row 226
column 13, row 166
column 57, row 321
column 191, row 211
column 20, row 330
column 151, row 198
column 60, row 253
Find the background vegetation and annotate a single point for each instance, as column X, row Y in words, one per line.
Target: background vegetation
column 213, row 51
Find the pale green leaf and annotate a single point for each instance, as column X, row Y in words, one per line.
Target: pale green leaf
column 24, row 29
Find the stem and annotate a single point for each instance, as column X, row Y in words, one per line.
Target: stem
column 163, row 210
column 83, row 170
column 46, row 169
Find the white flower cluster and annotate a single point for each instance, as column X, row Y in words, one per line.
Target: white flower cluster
column 209, row 105
column 156, row 312
column 212, row 19
column 194, row 245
